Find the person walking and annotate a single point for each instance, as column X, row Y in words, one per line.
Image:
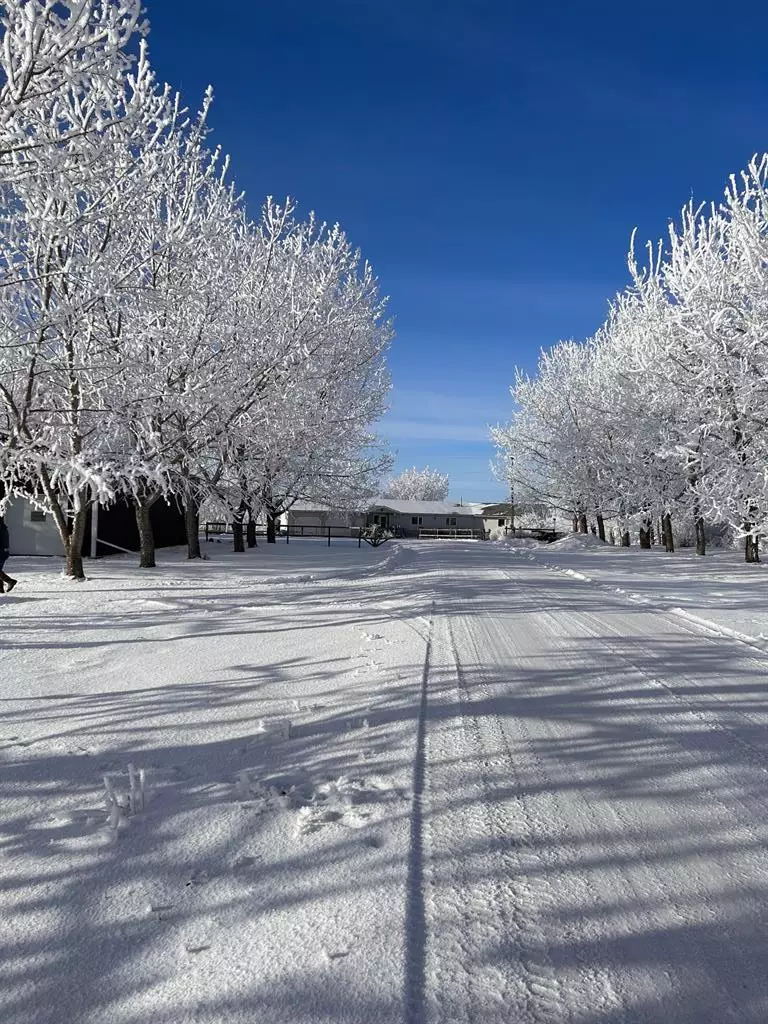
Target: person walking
column 6, row 582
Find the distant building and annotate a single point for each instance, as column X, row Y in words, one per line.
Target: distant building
column 498, row 519
column 404, row 518
column 312, row 519
column 422, row 518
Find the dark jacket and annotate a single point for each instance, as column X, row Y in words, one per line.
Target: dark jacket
column 5, row 540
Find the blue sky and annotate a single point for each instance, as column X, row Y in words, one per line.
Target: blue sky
column 490, row 159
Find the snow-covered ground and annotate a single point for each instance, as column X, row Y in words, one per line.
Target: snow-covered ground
column 449, row 782
column 719, row 589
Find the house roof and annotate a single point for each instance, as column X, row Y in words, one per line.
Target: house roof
column 425, row 508
column 497, row 508
column 321, row 507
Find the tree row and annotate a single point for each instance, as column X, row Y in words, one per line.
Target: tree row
column 662, row 415
column 155, row 341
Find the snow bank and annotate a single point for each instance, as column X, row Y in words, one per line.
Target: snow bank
column 518, row 543
column 578, row 542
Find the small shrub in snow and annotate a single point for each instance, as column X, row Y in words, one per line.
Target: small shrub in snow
column 124, row 804
column 277, row 728
column 375, row 535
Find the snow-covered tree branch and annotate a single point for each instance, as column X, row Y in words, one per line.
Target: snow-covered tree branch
column 418, row 485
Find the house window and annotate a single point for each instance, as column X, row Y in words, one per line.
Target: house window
column 450, row 521
column 502, row 522
column 415, row 520
column 36, row 515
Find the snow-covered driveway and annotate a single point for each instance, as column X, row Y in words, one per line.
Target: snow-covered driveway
column 506, row 796
column 598, row 788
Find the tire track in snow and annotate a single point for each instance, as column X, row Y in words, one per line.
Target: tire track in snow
column 485, row 902
column 416, row 925
column 521, row 896
column 704, row 708
column 669, row 899
column 703, row 630
column 754, row 807
column 452, row 946
column 524, row 844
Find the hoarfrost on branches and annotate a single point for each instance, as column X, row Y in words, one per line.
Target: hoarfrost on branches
column 418, row 485
column 154, row 342
column 663, row 413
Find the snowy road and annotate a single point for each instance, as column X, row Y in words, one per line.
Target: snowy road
column 597, row 780
column 507, row 796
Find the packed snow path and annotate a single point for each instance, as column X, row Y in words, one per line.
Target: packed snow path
column 597, row 791
column 505, row 796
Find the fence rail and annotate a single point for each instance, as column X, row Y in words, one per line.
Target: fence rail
column 312, row 530
column 449, row 534
column 219, row 529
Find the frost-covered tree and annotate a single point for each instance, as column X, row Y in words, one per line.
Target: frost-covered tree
column 70, row 202
column 49, row 46
column 175, row 325
column 664, row 412
column 308, row 437
column 154, row 343
column 418, row 485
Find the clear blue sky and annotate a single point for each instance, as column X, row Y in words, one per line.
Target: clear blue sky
column 490, row 159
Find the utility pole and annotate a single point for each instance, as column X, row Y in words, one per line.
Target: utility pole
column 512, row 492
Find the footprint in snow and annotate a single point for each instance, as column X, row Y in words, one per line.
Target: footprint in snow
column 335, row 954
column 338, row 802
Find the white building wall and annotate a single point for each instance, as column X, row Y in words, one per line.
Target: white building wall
column 497, row 526
column 322, row 519
column 30, row 537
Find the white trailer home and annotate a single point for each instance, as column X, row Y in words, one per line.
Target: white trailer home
column 427, row 519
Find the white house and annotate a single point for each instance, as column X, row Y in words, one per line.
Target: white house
column 497, row 518
column 405, row 518
column 419, row 518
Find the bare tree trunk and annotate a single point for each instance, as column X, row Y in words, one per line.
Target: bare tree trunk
column 192, row 525
column 250, row 530
column 71, row 531
column 666, row 526
column 583, row 522
column 73, row 545
column 645, row 532
column 751, row 546
column 612, row 538
column 600, row 526
column 237, row 529
column 271, row 527
column 698, row 519
column 701, row 538
column 575, row 523
column 146, row 534
column 625, row 539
